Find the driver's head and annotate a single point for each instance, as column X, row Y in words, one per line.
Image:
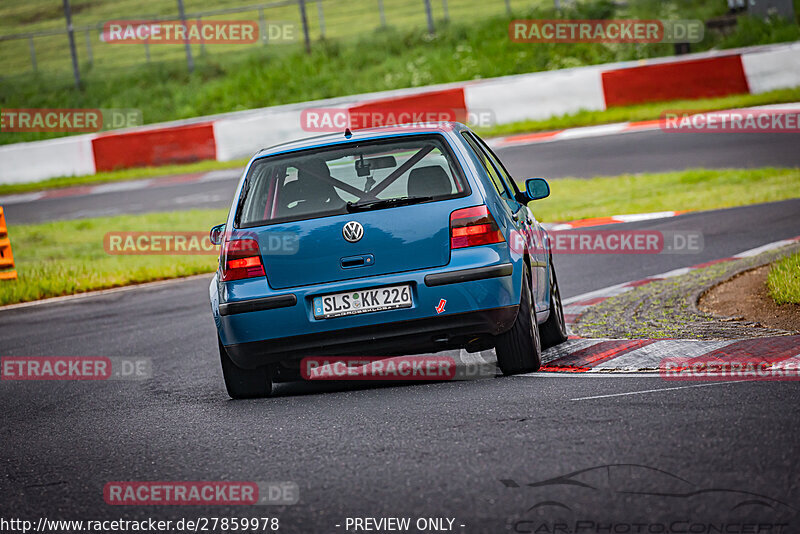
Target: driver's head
column 313, row 186
column 312, row 171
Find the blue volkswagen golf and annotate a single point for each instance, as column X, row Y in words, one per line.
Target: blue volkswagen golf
column 381, row 242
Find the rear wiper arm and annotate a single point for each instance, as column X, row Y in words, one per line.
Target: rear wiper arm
column 386, row 203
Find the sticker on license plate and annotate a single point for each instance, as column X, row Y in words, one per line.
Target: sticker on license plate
column 362, row 301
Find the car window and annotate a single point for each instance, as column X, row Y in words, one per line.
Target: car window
column 494, row 175
column 320, row 182
column 507, row 179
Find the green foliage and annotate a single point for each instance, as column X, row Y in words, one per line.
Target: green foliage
column 753, row 31
column 783, row 280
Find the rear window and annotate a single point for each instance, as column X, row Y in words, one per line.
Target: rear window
column 321, row 182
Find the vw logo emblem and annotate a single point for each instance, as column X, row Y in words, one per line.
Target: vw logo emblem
column 353, row 231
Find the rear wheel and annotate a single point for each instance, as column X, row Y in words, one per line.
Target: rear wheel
column 519, row 350
column 554, row 330
column 244, row 383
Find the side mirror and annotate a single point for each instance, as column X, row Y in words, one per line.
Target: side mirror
column 536, row 188
column 216, row 234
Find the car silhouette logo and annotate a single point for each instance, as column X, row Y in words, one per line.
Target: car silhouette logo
column 353, row 231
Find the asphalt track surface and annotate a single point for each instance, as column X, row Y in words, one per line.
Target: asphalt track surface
column 680, row 453
column 646, row 151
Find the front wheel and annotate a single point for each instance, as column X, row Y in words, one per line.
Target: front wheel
column 244, row 383
column 554, row 330
column 520, row 350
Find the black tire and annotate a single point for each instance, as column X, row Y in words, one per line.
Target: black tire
column 554, row 330
column 244, row 383
column 519, row 350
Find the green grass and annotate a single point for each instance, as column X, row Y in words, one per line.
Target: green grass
column 643, row 112
column 783, row 280
column 473, row 45
column 66, row 257
column 121, row 175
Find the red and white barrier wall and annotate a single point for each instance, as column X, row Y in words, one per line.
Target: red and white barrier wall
column 512, row 98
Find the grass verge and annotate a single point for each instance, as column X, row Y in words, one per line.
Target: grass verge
column 61, row 258
column 121, row 175
column 642, row 112
column 783, row 280
column 66, row 257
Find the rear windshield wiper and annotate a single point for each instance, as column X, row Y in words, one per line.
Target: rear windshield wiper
column 386, row 203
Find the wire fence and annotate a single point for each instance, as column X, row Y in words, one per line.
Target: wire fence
column 48, row 51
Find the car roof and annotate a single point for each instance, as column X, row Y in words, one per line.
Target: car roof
column 362, row 135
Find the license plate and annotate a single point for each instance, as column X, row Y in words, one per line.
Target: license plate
column 362, row 301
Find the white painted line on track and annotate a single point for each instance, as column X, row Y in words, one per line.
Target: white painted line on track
column 658, row 390
column 225, row 174
column 605, row 291
column 20, row 198
column 676, row 272
column 117, row 187
column 636, row 217
column 592, row 131
column 764, row 248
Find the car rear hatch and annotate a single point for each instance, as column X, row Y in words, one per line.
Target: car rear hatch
column 404, row 238
column 395, row 195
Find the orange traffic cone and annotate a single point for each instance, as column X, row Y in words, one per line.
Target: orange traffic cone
column 6, row 258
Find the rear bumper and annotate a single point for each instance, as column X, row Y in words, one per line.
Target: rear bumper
column 475, row 296
column 401, row 337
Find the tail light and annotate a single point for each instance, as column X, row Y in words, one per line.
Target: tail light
column 241, row 259
column 470, row 227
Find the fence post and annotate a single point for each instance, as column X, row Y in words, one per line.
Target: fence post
column 263, row 25
column 321, row 16
column 304, row 19
column 147, row 49
column 508, row 6
column 189, row 59
column 429, row 14
column 200, row 31
column 383, row 14
column 71, row 38
column 444, row 8
column 89, row 46
column 33, row 54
